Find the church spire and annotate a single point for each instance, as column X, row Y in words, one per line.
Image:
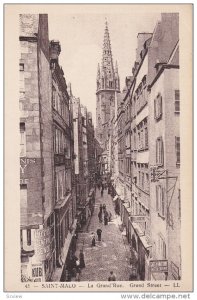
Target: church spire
column 107, row 68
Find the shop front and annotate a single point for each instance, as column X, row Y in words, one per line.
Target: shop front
column 37, row 254
column 141, row 246
column 65, row 229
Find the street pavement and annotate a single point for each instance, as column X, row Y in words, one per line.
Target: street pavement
column 109, row 254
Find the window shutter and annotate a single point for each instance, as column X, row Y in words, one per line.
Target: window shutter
column 162, row 152
column 157, row 208
column 162, row 202
column 160, row 105
column 155, row 115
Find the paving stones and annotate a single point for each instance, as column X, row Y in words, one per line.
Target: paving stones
column 110, row 254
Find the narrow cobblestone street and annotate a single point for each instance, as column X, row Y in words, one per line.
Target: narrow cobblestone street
column 109, row 254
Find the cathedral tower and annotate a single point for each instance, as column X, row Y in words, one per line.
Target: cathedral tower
column 108, row 83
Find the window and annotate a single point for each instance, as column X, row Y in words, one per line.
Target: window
column 146, row 137
column 60, row 184
column 142, row 180
column 54, row 97
column 147, row 182
column 177, row 149
column 162, row 247
column 158, row 107
column 159, row 151
column 139, row 140
column 21, row 67
column 110, row 84
column 177, row 101
column 22, row 140
column 160, row 206
column 29, row 237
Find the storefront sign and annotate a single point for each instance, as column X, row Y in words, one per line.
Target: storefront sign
column 42, row 243
column 137, row 219
column 24, row 162
column 175, row 271
column 37, row 272
column 159, row 266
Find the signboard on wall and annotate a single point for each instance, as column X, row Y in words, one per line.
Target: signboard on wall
column 137, row 219
column 37, row 272
column 42, row 244
column 29, row 167
column 159, row 266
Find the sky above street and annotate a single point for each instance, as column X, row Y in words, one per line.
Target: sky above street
column 81, row 38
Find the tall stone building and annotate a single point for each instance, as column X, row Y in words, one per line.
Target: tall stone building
column 146, row 137
column 63, row 150
column 107, row 83
column 36, row 151
column 47, row 193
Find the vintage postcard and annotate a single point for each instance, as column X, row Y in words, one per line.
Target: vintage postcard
column 98, row 147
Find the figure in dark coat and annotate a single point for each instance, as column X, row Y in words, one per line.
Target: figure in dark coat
column 81, row 259
column 100, row 216
column 106, row 218
column 93, row 240
column 99, row 231
column 112, row 276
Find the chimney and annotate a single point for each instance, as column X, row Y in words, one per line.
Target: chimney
column 55, row 50
column 142, row 37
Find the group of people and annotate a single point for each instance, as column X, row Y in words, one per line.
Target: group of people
column 104, row 214
column 93, row 237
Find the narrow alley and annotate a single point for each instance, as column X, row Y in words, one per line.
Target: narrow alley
column 109, row 254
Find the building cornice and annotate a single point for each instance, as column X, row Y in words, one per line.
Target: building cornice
column 163, row 67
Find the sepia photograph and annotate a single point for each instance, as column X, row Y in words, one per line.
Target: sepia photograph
column 102, row 186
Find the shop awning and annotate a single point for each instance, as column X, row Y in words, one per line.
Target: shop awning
column 138, row 229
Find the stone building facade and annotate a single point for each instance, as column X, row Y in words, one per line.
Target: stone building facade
column 164, row 160
column 145, row 153
column 36, row 151
column 63, row 149
column 47, row 193
column 85, row 163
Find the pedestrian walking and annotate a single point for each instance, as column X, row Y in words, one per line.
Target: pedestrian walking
column 112, row 276
column 78, row 271
column 104, row 207
column 81, row 259
column 101, row 208
column 93, row 240
column 100, row 216
column 101, row 192
column 99, row 232
column 106, row 218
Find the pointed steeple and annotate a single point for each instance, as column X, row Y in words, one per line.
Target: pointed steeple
column 107, row 69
